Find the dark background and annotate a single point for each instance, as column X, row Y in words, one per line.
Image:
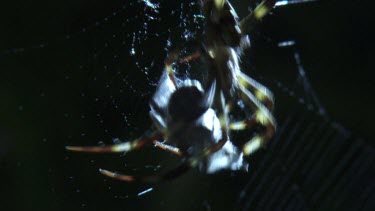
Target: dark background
column 68, row 77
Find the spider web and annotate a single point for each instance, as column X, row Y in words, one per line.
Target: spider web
column 91, row 86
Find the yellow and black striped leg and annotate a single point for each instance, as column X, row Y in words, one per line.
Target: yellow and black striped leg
column 244, row 124
column 247, row 24
column 263, row 94
column 263, row 117
column 122, row 147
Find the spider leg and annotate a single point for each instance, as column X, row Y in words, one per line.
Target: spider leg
column 247, row 23
column 184, row 167
column 219, row 4
column 122, row 147
column 169, row 66
column 263, row 117
column 263, row 94
column 171, row 174
column 244, row 124
column 168, row 148
column 190, row 57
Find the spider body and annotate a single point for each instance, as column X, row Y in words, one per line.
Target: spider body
column 225, row 39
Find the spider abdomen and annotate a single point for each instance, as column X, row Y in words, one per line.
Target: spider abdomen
column 186, row 104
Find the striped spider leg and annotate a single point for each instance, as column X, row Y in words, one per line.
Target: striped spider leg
column 225, row 38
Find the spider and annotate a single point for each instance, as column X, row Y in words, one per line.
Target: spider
column 183, row 113
column 182, row 116
column 224, row 40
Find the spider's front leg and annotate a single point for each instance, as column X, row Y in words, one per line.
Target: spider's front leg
column 122, row 147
